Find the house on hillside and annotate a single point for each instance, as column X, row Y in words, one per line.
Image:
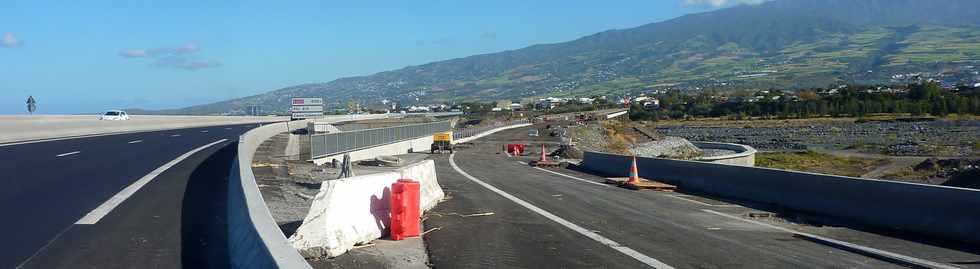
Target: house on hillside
column 549, row 103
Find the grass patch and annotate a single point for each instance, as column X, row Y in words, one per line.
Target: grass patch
column 815, row 162
column 619, row 140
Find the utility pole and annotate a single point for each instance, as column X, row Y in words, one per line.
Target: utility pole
column 31, row 105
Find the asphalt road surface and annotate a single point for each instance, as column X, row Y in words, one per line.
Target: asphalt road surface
column 94, row 202
column 561, row 218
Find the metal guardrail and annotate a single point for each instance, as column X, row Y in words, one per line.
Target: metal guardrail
column 469, row 132
column 322, row 145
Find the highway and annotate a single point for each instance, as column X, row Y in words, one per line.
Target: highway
column 136, row 200
column 562, row 218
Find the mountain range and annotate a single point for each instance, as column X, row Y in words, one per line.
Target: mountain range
column 783, row 44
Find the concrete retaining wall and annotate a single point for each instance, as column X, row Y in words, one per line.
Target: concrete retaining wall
column 39, row 127
column 944, row 212
column 397, row 148
column 744, row 155
column 356, row 210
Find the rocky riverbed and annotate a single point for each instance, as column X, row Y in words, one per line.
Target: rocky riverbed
column 953, row 138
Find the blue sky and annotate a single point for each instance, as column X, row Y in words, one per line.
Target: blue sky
column 86, row 56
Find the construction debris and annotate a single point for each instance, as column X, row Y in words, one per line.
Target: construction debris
column 389, row 161
column 430, row 230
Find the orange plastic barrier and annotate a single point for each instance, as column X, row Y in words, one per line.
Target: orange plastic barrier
column 405, row 209
column 516, row 149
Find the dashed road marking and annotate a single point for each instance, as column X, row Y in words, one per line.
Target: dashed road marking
column 68, row 154
column 855, row 247
column 204, row 131
column 587, row 233
column 175, row 135
column 135, row 141
column 106, row 207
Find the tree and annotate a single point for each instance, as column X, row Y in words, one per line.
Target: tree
column 925, row 91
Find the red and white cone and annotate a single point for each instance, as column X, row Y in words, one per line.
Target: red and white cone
column 634, row 173
column 544, row 158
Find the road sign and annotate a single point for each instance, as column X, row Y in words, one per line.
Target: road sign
column 304, row 108
column 307, row 101
column 307, row 115
column 31, row 104
column 307, row 109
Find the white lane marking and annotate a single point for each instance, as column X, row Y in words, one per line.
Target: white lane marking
column 45, row 246
column 587, row 233
column 67, row 154
column 175, row 135
column 204, row 131
column 891, row 255
column 522, row 163
column 573, row 177
column 135, row 141
column 699, row 202
column 106, row 207
column 42, row 140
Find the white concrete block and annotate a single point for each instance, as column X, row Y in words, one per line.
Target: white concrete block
column 430, row 191
column 345, row 212
column 356, row 210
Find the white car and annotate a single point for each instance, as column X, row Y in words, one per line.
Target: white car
column 114, row 115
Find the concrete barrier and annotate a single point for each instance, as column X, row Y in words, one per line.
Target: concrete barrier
column 40, row 127
column 254, row 238
column 351, row 211
column 415, row 145
column 937, row 211
column 489, row 132
column 744, row 155
column 425, row 173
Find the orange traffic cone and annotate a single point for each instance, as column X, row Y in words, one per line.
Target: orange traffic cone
column 544, row 158
column 634, row 173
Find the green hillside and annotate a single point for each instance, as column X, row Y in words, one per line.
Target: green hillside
column 785, row 44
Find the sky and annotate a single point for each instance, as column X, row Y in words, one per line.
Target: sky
column 89, row 56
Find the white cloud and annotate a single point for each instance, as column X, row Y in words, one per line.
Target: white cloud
column 135, row 53
column 180, row 57
column 10, row 41
column 180, row 62
column 164, row 51
column 720, row 3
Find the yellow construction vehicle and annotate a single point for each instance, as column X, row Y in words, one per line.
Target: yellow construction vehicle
column 442, row 142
